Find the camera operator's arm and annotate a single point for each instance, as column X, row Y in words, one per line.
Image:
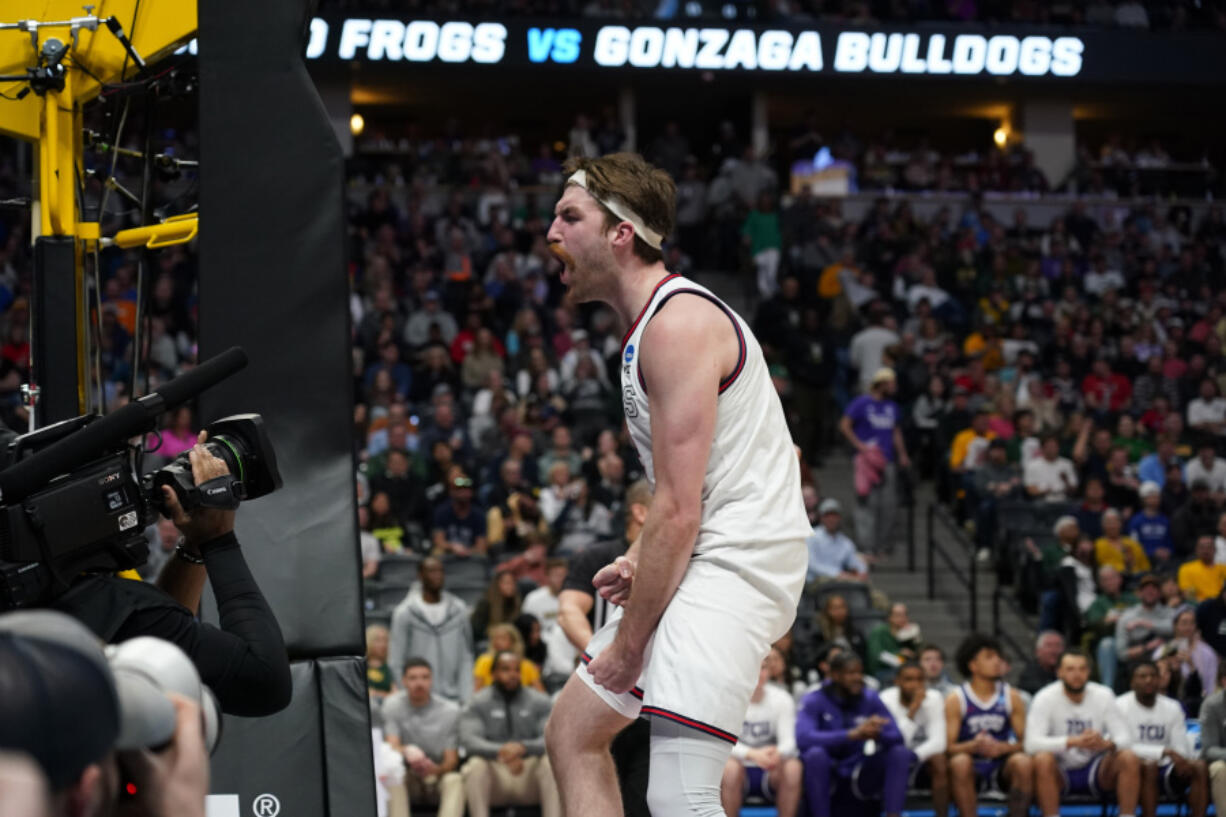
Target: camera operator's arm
column 183, row 580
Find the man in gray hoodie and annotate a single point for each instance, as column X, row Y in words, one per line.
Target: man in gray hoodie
column 503, row 731
column 1213, row 739
column 1144, row 627
column 433, row 624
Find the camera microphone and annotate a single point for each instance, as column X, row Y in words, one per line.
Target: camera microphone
column 23, row 478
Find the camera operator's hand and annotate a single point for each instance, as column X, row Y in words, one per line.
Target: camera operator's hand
column 204, row 524
column 175, row 781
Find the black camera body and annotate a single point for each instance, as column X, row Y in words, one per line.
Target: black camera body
column 92, row 519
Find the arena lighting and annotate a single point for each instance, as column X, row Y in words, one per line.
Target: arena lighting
column 357, row 124
column 1000, row 137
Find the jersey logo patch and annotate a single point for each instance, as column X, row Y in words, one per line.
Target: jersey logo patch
column 629, row 353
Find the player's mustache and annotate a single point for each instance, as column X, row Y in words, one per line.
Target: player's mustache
column 566, row 257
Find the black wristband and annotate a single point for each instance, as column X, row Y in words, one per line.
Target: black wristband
column 191, row 558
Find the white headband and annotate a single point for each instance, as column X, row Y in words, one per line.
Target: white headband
column 653, row 239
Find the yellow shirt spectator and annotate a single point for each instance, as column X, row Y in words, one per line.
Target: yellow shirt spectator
column 1199, row 581
column 483, row 672
column 962, row 442
column 1108, row 553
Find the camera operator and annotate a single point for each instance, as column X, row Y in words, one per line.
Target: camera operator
column 62, row 708
column 244, row 662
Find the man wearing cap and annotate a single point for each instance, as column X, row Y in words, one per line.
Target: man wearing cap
column 832, row 555
column 459, row 526
column 581, row 348
column 1151, row 527
column 63, row 707
column 1201, row 578
column 431, row 313
column 871, row 425
column 1144, row 627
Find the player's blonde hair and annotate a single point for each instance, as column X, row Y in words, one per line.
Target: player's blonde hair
column 645, row 189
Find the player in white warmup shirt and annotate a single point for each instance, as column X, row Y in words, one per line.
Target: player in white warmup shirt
column 1169, row 765
column 920, row 715
column 717, row 573
column 764, row 762
column 1079, row 740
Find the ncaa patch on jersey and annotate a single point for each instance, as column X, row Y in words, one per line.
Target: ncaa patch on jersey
column 629, row 353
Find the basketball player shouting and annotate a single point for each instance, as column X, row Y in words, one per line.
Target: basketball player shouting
column 717, row 572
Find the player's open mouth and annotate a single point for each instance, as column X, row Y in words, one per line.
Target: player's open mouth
column 568, row 263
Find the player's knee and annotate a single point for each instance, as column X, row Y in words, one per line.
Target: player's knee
column 961, row 765
column 1149, row 772
column 1126, row 762
column 1217, row 770
column 1044, row 763
column 938, row 764
column 734, row 772
column 815, row 757
column 1200, row 769
column 793, row 771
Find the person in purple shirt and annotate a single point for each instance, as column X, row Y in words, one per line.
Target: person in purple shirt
column 873, row 421
column 849, row 743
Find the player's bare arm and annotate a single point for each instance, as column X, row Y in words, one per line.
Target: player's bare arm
column 573, row 607
column 683, row 390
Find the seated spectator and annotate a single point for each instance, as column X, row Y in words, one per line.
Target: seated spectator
column 1197, row 517
column 932, row 661
column 500, row 604
column 1202, row 578
column 1151, row 528
column 1210, row 468
column 1192, row 657
column 1100, row 619
column 581, row 522
column 1167, row 765
column 1050, row 477
column 891, row 643
column 1041, row 670
column 835, row 727
column 424, row 728
column 543, row 604
column 1145, row 626
column 1207, row 413
column 1105, row 392
column 372, row 551
column 459, row 525
column 558, row 490
column 985, row 723
column 1079, row 740
column 1093, row 505
column 834, row 626
column 562, row 450
column 1122, row 485
column 1121, row 552
column 385, row 526
column 970, row 446
column 764, row 762
column 1219, row 541
column 919, row 713
column 832, row 555
column 993, row 481
column 1172, row 596
column 379, row 682
column 404, row 490
column 505, row 638
column 433, row 624
column 502, row 730
column 1153, row 467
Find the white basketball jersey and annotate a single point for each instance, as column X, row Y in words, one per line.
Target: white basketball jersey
column 751, row 492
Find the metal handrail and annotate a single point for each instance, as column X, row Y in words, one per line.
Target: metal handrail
column 969, row 579
column 997, row 630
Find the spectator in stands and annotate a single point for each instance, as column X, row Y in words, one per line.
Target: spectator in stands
column 1100, row 620
column 1079, row 740
column 424, row 728
column 985, row 722
column 1145, row 626
column 932, row 661
column 1122, row 552
column 430, row 314
column 505, row 638
column 919, row 713
column 891, row 643
column 581, row 522
column 1050, row 477
column 996, row 480
column 543, row 604
column 837, row 724
column 1197, row 517
column 459, row 525
column 1151, row 528
column 868, row 346
column 379, row 681
column 1202, row 578
column 1219, row 541
column 761, row 236
column 970, row 446
column 1093, row 505
column 499, row 605
column 871, row 424
column 832, row 555
column 1192, row 657
column 1153, row 467
column 834, row 626
column 502, row 730
column 372, row 551
column 764, row 762
column 543, row 601
column 1105, row 392
column 433, row 624
column 1167, row 764
column 1211, row 468
column 1041, row 670
column 1207, row 413
column 1042, row 571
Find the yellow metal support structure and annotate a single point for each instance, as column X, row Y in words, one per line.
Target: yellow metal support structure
column 53, row 120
